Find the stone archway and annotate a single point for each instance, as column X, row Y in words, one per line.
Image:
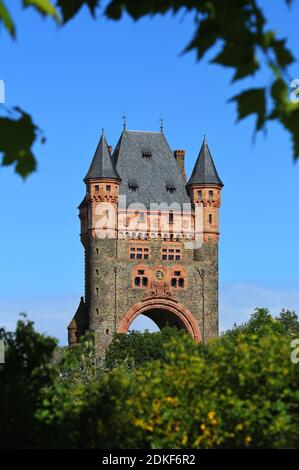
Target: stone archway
column 162, row 311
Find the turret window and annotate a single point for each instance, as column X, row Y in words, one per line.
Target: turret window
column 97, row 188
column 108, row 188
column 210, row 218
column 199, row 193
column 211, row 194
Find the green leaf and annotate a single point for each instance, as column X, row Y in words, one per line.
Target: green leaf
column 205, row 37
column 252, row 101
column 45, row 7
column 283, row 55
column 17, row 137
column 6, row 19
column 243, row 60
column 70, row 8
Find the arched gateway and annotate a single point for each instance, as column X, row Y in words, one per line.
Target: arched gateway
column 163, row 312
column 150, row 239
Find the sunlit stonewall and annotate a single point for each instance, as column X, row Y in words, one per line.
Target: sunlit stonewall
column 2, row 92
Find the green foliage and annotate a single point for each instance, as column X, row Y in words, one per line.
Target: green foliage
column 241, row 391
column 241, row 396
column 70, row 8
column 262, row 323
column 77, row 364
column 6, row 19
column 17, row 136
column 238, row 28
column 25, row 372
column 136, row 348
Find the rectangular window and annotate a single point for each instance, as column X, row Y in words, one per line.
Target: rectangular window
column 177, row 281
column 139, row 252
column 108, row 188
column 210, row 218
column 171, row 254
column 199, row 195
column 171, row 218
column 211, row 194
column 97, row 187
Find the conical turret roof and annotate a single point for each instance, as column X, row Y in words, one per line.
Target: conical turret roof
column 204, row 171
column 102, row 166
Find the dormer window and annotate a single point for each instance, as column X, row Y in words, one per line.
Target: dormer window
column 133, row 185
column 147, row 154
column 170, row 187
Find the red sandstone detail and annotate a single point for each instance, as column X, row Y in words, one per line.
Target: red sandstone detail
column 170, row 305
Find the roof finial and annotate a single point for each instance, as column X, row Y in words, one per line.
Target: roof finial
column 161, row 123
column 102, row 130
column 204, row 138
column 124, row 120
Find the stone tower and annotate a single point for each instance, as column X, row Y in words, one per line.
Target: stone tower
column 150, row 239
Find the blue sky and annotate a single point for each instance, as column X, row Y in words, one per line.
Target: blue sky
column 80, row 78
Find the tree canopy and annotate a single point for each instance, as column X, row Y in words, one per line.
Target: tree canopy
column 239, row 31
column 239, row 391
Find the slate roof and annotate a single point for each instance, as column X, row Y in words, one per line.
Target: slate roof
column 204, row 171
column 80, row 319
column 146, row 159
column 102, row 165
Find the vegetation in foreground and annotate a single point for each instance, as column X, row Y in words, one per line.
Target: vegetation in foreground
column 153, row 390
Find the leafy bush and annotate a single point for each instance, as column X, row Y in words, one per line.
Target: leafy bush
column 243, row 396
column 136, row 348
column 25, row 373
column 241, row 391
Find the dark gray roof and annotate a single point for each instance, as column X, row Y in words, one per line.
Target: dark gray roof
column 151, row 174
column 83, row 203
column 204, row 171
column 102, row 166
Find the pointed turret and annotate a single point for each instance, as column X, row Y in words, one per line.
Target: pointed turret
column 102, row 166
column 204, row 171
column 204, row 188
column 102, row 186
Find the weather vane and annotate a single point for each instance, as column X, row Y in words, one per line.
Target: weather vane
column 124, row 120
column 161, row 124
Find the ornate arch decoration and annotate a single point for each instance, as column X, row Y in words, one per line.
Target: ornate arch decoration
column 169, row 305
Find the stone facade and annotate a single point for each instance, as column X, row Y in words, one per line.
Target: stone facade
column 157, row 274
